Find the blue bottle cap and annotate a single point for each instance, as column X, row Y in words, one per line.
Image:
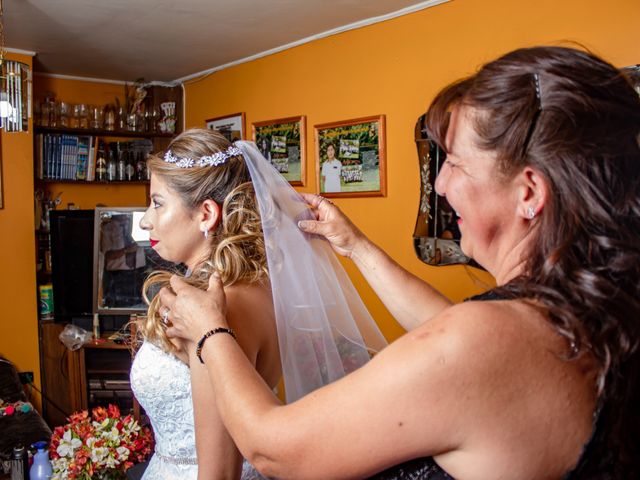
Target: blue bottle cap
column 40, row 445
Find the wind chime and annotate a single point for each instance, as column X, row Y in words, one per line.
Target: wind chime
column 15, row 89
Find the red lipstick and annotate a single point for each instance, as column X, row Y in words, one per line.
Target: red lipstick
column 153, row 242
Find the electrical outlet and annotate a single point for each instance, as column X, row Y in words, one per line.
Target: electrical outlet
column 26, row 377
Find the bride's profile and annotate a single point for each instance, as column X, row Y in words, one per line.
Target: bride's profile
column 221, row 208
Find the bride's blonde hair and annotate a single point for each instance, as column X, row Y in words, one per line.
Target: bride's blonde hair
column 237, row 244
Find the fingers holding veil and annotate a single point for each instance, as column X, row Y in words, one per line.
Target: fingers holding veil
column 332, row 224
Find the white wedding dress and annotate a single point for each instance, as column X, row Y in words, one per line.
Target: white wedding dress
column 162, row 385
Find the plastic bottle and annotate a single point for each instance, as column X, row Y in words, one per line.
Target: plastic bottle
column 41, row 468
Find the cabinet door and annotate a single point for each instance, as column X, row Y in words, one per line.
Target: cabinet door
column 62, row 382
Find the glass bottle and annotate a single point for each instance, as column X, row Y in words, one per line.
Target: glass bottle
column 122, row 163
column 112, row 164
column 130, row 168
column 101, row 165
column 109, row 117
column 63, row 114
column 141, row 167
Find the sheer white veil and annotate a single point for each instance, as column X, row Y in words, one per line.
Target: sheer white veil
column 324, row 328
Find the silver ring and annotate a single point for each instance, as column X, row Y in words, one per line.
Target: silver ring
column 165, row 316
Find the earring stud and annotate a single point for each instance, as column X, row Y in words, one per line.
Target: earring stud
column 531, row 213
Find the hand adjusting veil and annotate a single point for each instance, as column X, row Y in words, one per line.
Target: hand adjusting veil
column 324, row 329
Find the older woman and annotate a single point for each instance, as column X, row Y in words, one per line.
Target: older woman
column 537, row 378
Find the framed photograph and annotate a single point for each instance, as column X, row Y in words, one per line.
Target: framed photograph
column 350, row 158
column 231, row 126
column 283, row 143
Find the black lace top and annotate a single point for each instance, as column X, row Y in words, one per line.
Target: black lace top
column 427, row 469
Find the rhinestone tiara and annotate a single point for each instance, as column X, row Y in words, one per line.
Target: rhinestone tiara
column 214, row 160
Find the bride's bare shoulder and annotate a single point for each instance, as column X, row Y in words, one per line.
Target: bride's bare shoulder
column 249, row 302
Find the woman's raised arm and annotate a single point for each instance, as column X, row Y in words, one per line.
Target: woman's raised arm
column 410, row 300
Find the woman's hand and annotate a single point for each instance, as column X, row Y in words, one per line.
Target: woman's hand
column 333, row 225
column 193, row 312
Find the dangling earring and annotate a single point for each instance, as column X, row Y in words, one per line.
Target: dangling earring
column 531, row 213
column 206, row 233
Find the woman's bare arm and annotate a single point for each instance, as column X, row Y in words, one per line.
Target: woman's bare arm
column 408, row 396
column 218, row 456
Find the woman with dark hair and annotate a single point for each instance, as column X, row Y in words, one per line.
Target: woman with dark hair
column 537, row 378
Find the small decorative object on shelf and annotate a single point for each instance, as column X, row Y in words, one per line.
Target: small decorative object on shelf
column 104, row 445
column 46, row 301
column 168, row 122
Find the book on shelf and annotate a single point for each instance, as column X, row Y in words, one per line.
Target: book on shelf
column 82, row 146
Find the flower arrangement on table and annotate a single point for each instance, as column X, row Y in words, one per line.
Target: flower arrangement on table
column 104, row 445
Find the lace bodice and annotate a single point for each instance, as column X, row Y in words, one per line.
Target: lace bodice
column 162, row 385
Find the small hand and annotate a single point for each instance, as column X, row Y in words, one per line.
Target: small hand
column 192, row 311
column 332, row 224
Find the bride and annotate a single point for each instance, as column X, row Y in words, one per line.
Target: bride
column 223, row 209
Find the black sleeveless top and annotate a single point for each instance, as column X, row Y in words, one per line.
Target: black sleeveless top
column 427, row 469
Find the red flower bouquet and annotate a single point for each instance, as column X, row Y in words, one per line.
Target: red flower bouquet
column 102, row 446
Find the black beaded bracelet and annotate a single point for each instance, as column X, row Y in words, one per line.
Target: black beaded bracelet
column 207, row 335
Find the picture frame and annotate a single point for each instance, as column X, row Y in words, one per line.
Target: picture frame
column 283, row 142
column 231, row 126
column 358, row 168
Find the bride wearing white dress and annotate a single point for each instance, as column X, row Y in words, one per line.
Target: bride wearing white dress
column 223, row 209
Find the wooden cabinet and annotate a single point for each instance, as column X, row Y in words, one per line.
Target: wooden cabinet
column 95, row 374
column 60, row 375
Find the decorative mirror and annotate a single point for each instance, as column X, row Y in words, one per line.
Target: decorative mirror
column 436, row 237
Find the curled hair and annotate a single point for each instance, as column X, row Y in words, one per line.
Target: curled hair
column 581, row 135
column 237, row 245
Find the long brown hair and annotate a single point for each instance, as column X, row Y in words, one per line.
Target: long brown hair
column 581, row 133
column 237, row 245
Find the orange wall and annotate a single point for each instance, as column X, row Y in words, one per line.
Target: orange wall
column 395, row 68
column 18, row 325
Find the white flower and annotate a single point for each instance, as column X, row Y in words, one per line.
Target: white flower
column 98, row 454
column 111, row 462
column 123, row 453
column 112, row 435
column 68, row 445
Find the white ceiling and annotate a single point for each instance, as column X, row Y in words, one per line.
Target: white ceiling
column 166, row 40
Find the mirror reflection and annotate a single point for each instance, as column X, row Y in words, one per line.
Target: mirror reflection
column 436, row 237
column 123, row 259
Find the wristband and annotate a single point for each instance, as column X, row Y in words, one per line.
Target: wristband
column 200, row 343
